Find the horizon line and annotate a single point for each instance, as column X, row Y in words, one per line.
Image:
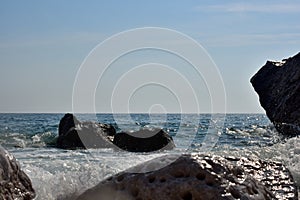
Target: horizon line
column 130, row 113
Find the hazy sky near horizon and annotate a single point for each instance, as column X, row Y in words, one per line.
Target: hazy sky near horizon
column 43, row 44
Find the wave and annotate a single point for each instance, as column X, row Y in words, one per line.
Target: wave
column 253, row 135
column 232, row 135
column 286, row 151
column 63, row 174
column 20, row 140
column 76, row 171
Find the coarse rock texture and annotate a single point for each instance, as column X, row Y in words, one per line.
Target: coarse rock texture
column 278, row 87
column 198, row 177
column 144, row 140
column 74, row 134
column 14, row 183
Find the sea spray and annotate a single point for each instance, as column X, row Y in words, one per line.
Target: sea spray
column 58, row 174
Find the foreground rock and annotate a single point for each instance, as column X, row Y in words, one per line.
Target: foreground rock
column 197, row 177
column 144, row 140
column 14, row 183
column 74, row 134
column 278, row 87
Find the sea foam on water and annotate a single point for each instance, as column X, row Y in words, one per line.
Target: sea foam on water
column 63, row 174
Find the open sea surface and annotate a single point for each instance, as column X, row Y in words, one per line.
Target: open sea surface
column 59, row 174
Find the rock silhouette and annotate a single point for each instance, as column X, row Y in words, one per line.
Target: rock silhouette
column 278, row 87
column 74, row 134
column 144, row 140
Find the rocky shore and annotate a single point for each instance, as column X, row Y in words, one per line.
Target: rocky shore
column 187, row 176
column 193, row 177
column 197, row 177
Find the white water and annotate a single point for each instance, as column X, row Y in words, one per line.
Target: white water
column 58, row 174
column 61, row 174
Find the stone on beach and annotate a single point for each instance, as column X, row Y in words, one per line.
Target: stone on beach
column 197, row 177
column 14, row 183
column 278, row 87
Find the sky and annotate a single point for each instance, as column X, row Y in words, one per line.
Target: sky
column 44, row 43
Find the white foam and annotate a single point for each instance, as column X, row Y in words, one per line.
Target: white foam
column 61, row 174
column 287, row 152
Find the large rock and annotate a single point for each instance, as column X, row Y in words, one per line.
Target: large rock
column 14, row 183
column 74, row 134
column 198, row 177
column 278, row 87
column 144, row 140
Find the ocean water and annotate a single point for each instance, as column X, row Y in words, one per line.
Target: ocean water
column 62, row 174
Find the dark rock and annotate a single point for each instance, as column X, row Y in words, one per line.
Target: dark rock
column 14, row 183
column 198, row 177
column 66, row 123
column 144, row 140
column 75, row 134
column 108, row 129
column 278, row 87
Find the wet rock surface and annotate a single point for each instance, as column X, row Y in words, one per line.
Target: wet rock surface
column 75, row 134
column 278, row 87
column 14, row 183
column 197, row 177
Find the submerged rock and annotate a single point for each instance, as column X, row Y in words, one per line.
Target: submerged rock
column 278, row 87
column 14, row 183
column 144, row 140
column 197, row 177
column 74, row 134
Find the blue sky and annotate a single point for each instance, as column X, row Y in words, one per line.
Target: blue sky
column 43, row 43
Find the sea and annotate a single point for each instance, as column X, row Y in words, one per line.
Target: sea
column 59, row 174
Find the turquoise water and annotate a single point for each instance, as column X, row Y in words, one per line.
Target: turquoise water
column 58, row 174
